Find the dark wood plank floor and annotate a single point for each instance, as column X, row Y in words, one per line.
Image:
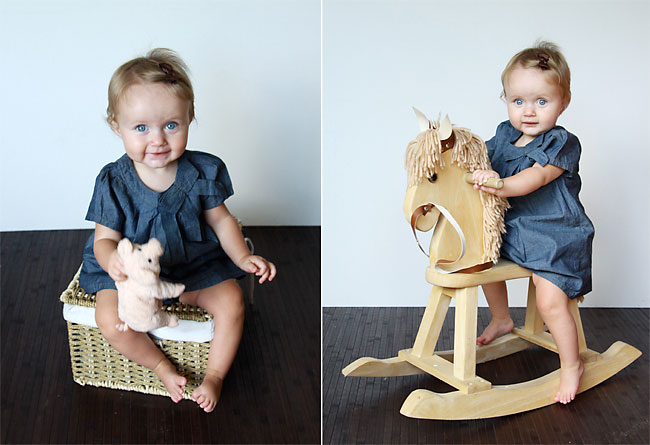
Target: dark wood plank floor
column 366, row 410
column 271, row 395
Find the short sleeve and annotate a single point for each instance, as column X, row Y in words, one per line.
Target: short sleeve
column 214, row 185
column 503, row 132
column 491, row 146
column 562, row 149
column 104, row 206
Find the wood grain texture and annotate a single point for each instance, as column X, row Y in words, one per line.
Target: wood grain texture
column 271, row 394
column 366, row 410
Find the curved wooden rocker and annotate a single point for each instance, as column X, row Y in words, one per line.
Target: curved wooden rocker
column 475, row 397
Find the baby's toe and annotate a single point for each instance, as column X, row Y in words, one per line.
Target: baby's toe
column 210, row 407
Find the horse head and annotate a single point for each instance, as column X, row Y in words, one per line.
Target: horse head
column 467, row 223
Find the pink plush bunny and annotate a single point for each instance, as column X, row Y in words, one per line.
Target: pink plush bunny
column 140, row 295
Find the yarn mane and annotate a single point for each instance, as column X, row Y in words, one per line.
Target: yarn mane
column 424, row 158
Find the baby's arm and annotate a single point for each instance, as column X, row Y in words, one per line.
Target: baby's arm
column 227, row 230
column 105, row 248
column 526, row 181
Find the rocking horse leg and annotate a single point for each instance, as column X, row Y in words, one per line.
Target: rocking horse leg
column 533, row 329
column 431, row 324
column 465, row 333
column 575, row 312
column 425, row 342
column 534, row 323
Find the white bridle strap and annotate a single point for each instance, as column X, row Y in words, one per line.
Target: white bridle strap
column 423, row 210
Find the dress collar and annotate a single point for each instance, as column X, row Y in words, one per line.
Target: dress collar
column 186, row 176
column 513, row 134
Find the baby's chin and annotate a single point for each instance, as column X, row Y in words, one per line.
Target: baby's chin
column 156, row 161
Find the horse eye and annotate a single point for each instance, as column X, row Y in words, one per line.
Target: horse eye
column 433, row 177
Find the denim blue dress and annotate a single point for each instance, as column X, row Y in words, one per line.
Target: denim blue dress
column 547, row 231
column 193, row 255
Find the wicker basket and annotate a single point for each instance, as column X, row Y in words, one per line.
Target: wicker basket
column 95, row 362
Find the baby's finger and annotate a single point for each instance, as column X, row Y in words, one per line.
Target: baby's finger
column 264, row 277
column 490, row 190
column 273, row 271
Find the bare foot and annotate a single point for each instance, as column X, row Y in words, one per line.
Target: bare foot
column 569, row 382
column 495, row 329
column 171, row 379
column 207, row 395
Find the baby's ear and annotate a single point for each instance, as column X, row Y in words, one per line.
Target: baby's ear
column 115, row 127
column 155, row 247
column 124, row 247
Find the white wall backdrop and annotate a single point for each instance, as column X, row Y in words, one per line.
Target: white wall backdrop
column 382, row 57
column 255, row 66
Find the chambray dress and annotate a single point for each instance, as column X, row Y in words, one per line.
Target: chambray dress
column 193, row 255
column 547, row 231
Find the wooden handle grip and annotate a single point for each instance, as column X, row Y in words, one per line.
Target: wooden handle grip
column 492, row 182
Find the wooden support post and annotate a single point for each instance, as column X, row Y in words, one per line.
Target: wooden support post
column 534, row 323
column 465, row 333
column 575, row 312
column 431, row 324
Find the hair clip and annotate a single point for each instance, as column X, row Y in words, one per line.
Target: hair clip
column 543, row 61
column 170, row 76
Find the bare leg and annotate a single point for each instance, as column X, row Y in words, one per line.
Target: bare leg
column 136, row 346
column 225, row 302
column 552, row 304
column 496, row 295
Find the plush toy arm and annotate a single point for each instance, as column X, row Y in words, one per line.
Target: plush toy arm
column 169, row 290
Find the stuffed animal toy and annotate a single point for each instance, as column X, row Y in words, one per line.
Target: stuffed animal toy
column 140, row 295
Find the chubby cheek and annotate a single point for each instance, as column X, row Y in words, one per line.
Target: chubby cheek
column 515, row 116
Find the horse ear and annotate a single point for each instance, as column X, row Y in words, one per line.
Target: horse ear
column 423, row 121
column 445, row 128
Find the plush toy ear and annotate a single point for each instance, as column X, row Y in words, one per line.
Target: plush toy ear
column 155, row 247
column 124, row 247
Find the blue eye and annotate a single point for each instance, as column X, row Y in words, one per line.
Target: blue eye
column 542, row 102
column 519, row 102
column 171, row 126
column 141, row 128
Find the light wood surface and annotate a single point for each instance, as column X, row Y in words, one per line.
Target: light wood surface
column 465, row 335
column 431, row 324
column 502, row 271
column 534, row 323
column 452, row 192
column 492, row 182
column 444, row 370
column 374, row 367
column 502, row 400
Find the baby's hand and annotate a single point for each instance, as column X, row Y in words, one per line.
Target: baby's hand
column 116, row 267
column 480, row 176
column 259, row 266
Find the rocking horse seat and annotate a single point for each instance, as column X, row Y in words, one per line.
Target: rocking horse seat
column 501, row 271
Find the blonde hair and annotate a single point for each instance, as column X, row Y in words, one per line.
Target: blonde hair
column 547, row 57
column 160, row 65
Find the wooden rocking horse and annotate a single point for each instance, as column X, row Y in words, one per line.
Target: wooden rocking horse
column 464, row 254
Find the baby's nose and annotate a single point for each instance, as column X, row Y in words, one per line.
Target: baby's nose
column 156, row 138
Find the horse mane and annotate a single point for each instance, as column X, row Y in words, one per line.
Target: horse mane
column 424, row 158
